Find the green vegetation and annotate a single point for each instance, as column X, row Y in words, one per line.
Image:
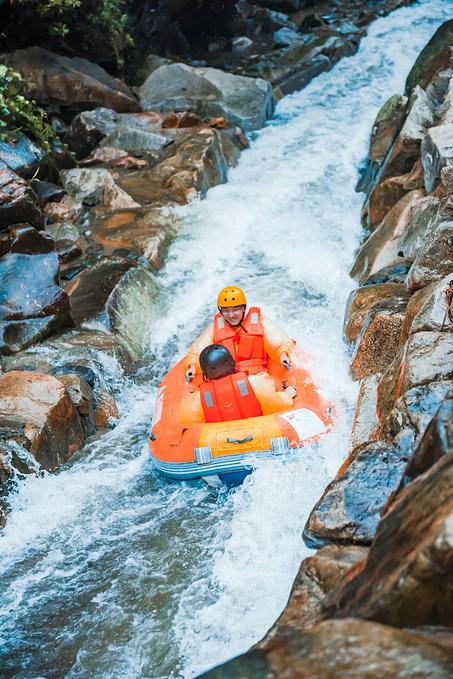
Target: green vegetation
column 87, row 20
column 19, row 113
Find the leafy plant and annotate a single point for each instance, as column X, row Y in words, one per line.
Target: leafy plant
column 17, row 112
column 91, row 19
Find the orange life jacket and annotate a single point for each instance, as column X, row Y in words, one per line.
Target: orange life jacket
column 246, row 343
column 229, row 398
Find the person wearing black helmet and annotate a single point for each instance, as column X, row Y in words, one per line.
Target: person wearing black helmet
column 228, row 394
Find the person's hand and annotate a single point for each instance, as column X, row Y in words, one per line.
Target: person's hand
column 291, row 391
column 190, row 372
column 285, row 360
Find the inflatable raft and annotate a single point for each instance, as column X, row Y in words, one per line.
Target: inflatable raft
column 225, row 452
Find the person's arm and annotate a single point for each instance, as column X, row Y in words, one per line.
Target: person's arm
column 271, row 401
column 277, row 344
column 193, row 355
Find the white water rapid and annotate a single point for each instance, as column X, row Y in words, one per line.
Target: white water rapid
column 110, row 571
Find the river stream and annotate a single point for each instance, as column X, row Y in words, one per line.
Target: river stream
column 108, row 570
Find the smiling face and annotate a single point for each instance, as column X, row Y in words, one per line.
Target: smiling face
column 233, row 314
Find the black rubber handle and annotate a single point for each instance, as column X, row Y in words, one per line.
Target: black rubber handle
column 244, row 440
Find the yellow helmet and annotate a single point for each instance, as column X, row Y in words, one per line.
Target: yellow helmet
column 231, row 296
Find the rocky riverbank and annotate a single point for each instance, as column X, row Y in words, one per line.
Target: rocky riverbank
column 86, row 222
column 376, row 598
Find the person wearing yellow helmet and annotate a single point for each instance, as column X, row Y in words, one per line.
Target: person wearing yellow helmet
column 250, row 336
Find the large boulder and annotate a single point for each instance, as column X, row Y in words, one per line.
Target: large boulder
column 39, row 405
column 243, row 101
column 200, row 161
column 428, row 309
column 434, row 258
column 149, row 232
column 423, row 220
column 362, row 300
column 96, row 186
column 18, row 201
column 388, row 192
column 406, row 147
column 32, row 304
column 434, row 57
column 21, row 154
column 406, row 579
column 349, row 509
column 344, row 649
column 89, row 290
column 379, row 339
column 381, row 248
column 436, row 153
column 437, row 441
column 132, row 308
column 70, row 82
column 318, row 575
column 386, row 126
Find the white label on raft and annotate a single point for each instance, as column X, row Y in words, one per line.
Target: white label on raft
column 158, row 406
column 305, row 423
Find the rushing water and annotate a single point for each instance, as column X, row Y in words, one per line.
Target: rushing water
column 108, row 570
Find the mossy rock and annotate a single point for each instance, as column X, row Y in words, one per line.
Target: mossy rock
column 434, row 57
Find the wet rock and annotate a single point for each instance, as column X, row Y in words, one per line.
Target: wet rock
column 379, row 339
column 82, row 397
column 40, row 406
column 28, row 241
column 349, row 509
column 243, row 101
column 381, row 248
column 412, row 412
column 425, row 358
column 388, row 192
column 406, row 579
column 201, row 161
column 21, row 155
column 344, row 649
column 134, row 140
column 104, row 155
column 318, row 575
column 106, row 409
column 18, row 335
column 70, row 82
column 436, row 153
column 68, row 210
column 437, row 441
column 149, row 233
column 395, row 273
column 434, row 259
column 88, row 291
column 423, row 221
column 406, row 148
column 434, row 57
column 18, row 202
column 95, row 186
column 63, row 231
column 132, row 308
column 46, row 191
column 365, row 423
column 32, row 305
column 428, row 309
column 89, row 128
column 386, row 126
column 87, row 343
column 362, row 300
column 67, row 250
column 130, row 163
column 178, row 120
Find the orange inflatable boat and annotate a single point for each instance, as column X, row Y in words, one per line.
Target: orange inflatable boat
column 224, row 452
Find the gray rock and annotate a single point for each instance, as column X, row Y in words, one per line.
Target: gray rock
column 134, row 140
column 436, row 153
column 69, row 81
column 434, row 258
column 349, row 510
column 243, row 101
column 95, row 186
column 132, row 307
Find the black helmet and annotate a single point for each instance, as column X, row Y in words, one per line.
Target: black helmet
column 216, row 361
